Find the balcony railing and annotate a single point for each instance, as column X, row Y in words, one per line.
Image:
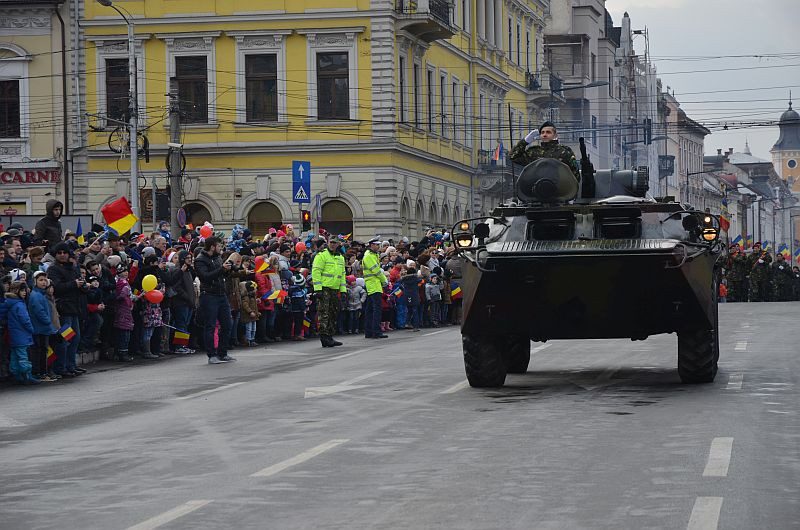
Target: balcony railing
column 428, row 19
column 544, row 81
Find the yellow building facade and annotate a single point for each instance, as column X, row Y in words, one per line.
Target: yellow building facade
column 393, row 102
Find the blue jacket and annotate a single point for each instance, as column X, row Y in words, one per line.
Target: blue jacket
column 39, row 310
column 20, row 329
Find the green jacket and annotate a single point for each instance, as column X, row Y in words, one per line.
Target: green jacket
column 328, row 271
column 524, row 154
column 373, row 275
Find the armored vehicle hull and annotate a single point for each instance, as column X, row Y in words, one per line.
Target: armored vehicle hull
column 628, row 269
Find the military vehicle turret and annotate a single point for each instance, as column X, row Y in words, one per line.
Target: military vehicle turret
column 590, row 260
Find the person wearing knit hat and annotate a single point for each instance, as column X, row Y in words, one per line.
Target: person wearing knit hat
column 20, row 333
column 148, row 251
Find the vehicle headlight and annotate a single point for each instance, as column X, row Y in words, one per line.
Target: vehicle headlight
column 463, row 237
column 710, row 234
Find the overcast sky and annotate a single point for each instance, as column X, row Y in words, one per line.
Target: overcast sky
column 690, row 28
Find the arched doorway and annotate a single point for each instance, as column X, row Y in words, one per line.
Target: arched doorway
column 405, row 213
column 262, row 217
column 197, row 214
column 337, row 218
column 418, row 220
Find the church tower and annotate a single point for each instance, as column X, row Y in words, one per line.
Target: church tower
column 786, row 151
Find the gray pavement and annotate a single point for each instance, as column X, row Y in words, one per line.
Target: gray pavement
column 385, row 434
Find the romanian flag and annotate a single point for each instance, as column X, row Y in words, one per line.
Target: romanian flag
column 51, row 356
column 262, row 267
column 455, row 292
column 783, row 249
column 67, row 332
column 724, row 223
column 306, row 323
column 497, row 154
column 347, row 236
column 797, row 254
column 766, row 245
column 398, row 292
column 749, row 241
column 79, row 233
column 180, row 338
column 119, row 216
column 737, row 240
column 270, row 295
column 281, row 296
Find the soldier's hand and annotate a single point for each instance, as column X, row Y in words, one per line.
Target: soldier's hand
column 532, row 136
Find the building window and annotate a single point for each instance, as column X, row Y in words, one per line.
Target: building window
column 610, row 83
column 481, row 119
column 417, row 116
column 792, row 163
column 401, row 81
column 443, row 103
column 464, row 4
column 117, row 89
column 261, row 72
column 519, row 42
column 333, row 86
column 430, row 100
column 594, row 68
column 9, row 109
column 528, row 51
column 191, row 73
column 510, row 40
column 466, row 105
column 454, row 113
column 594, row 131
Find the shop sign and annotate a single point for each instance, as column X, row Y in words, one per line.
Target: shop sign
column 31, row 176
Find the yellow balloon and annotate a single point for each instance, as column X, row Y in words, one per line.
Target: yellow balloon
column 149, row 283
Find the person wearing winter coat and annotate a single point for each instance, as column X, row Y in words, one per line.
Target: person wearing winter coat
column 44, row 329
column 298, row 296
column 123, row 315
column 433, row 294
column 248, row 313
column 356, row 296
column 69, row 287
column 20, row 333
column 151, row 319
column 410, row 282
column 48, row 231
column 184, row 301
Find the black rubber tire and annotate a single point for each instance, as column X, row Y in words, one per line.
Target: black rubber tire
column 483, row 362
column 698, row 351
column 517, row 355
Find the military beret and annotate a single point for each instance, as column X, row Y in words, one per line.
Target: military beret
column 547, row 124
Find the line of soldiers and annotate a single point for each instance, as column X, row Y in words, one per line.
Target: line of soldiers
column 755, row 277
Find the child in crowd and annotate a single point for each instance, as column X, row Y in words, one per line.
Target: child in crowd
column 123, row 316
column 297, row 299
column 42, row 311
column 20, row 333
column 249, row 314
column 433, row 294
column 151, row 319
column 356, row 296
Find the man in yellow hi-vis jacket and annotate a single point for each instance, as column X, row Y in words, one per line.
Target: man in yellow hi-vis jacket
column 374, row 280
column 327, row 271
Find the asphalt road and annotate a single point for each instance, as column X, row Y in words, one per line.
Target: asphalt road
column 386, row 434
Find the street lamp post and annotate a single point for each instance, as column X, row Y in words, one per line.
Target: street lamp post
column 133, row 132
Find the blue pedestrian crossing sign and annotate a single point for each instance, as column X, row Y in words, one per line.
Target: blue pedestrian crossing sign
column 301, row 181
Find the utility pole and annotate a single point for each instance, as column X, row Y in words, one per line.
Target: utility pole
column 133, row 138
column 175, row 158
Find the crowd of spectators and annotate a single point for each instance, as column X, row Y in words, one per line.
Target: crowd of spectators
column 144, row 296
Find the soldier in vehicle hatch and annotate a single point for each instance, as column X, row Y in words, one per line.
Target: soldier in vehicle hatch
column 526, row 152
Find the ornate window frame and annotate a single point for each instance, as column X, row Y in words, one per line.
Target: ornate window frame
column 116, row 47
column 258, row 42
column 16, row 69
column 332, row 40
column 197, row 44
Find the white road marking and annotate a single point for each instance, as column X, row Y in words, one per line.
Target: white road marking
column 168, row 517
column 735, row 381
column 316, row 391
column 455, row 388
column 210, row 391
column 780, row 411
column 435, row 332
column 350, row 354
column 741, row 346
column 6, row 422
column 299, row 459
column 719, row 457
column 705, row 514
column 540, row 348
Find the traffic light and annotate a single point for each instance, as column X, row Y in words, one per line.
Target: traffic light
column 305, row 216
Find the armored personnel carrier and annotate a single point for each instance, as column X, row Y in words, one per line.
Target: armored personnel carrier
column 591, row 260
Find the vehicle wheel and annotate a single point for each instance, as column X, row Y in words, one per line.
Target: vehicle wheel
column 698, row 350
column 483, row 362
column 517, row 355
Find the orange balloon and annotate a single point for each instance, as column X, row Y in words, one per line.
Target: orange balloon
column 154, row 297
column 206, row 231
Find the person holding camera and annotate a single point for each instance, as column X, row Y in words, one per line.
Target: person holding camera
column 68, row 287
column 214, row 306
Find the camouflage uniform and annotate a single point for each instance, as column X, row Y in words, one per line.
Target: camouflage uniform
column 737, row 278
column 759, row 276
column 328, row 311
column 782, row 280
column 524, row 154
